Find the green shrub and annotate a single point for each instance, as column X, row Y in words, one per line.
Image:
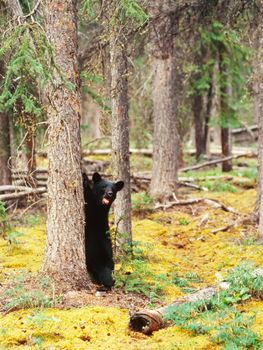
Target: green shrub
column 141, row 201
column 6, row 229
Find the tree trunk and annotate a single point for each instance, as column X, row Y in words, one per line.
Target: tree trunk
column 225, row 131
column 209, row 104
column 65, row 255
column 226, row 148
column 165, row 139
column 199, row 126
column 15, row 8
column 198, row 107
column 120, row 134
column 258, row 107
column 5, row 150
column 31, row 158
column 105, row 120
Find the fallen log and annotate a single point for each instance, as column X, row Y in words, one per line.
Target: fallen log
column 13, row 188
column 239, row 134
column 188, row 184
column 20, row 182
column 212, row 202
column 224, row 228
column 217, row 161
column 36, row 171
column 138, row 180
column 16, row 195
column 245, row 128
column 149, row 321
column 41, row 177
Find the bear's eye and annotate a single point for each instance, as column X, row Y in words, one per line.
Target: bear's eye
column 102, row 191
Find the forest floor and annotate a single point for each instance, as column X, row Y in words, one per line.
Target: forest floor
column 175, row 253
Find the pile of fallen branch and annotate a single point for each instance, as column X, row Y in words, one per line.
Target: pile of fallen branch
column 37, row 181
column 10, row 192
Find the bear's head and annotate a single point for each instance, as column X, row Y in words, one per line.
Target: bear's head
column 105, row 191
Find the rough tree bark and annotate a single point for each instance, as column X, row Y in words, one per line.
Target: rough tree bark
column 225, row 131
column 208, row 109
column 15, row 8
column 165, row 139
column 64, row 256
column 5, row 150
column 258, row 107
column 5, row 147
column 198, row 108
column 120, row 133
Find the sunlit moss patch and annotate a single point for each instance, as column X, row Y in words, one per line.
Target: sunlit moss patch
column 179, row 254
column 26, row 254
column 88, row 328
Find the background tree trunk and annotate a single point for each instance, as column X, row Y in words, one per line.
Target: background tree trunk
column 31, row 158
column 15, row 7
column 5, row 150
column 165, row 139
column 258, row 108
column 198, row 107
column 120, row 134
column 64, row 256
column 225, row 131
column 208, row 110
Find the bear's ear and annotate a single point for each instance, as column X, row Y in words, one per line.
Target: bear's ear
column 96, row 177
column 119, row 185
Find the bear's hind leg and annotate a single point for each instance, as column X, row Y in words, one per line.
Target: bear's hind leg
column 105, row 277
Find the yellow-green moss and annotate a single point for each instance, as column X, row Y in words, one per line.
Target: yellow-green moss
column 27, row 255
column 89, row 328
column 175, row 242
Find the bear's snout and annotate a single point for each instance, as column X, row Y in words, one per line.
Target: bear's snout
column 105, row 201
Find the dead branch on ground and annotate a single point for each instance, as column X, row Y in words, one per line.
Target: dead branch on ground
column 212, row 202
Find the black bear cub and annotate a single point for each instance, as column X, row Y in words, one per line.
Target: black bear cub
column 98, row 199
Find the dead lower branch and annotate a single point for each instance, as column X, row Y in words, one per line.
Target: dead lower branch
column 211, row 202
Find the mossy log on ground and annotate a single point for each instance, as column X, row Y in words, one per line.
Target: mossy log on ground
column 149, row 321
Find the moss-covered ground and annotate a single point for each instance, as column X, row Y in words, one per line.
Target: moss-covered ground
column 180, row 254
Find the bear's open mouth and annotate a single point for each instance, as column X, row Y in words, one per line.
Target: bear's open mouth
column 105, row 201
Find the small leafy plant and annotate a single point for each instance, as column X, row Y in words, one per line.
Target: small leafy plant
column 217, row 186
column 6, row 229
column 38, row 319
column 4, row 225
column 141, row 201
column 183, row 222
column 18, row 296
column 136, row 276
column 218, row 316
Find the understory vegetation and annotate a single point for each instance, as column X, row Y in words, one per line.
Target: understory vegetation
column 175, row 254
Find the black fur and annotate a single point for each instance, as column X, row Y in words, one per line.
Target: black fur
column 98, row 199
